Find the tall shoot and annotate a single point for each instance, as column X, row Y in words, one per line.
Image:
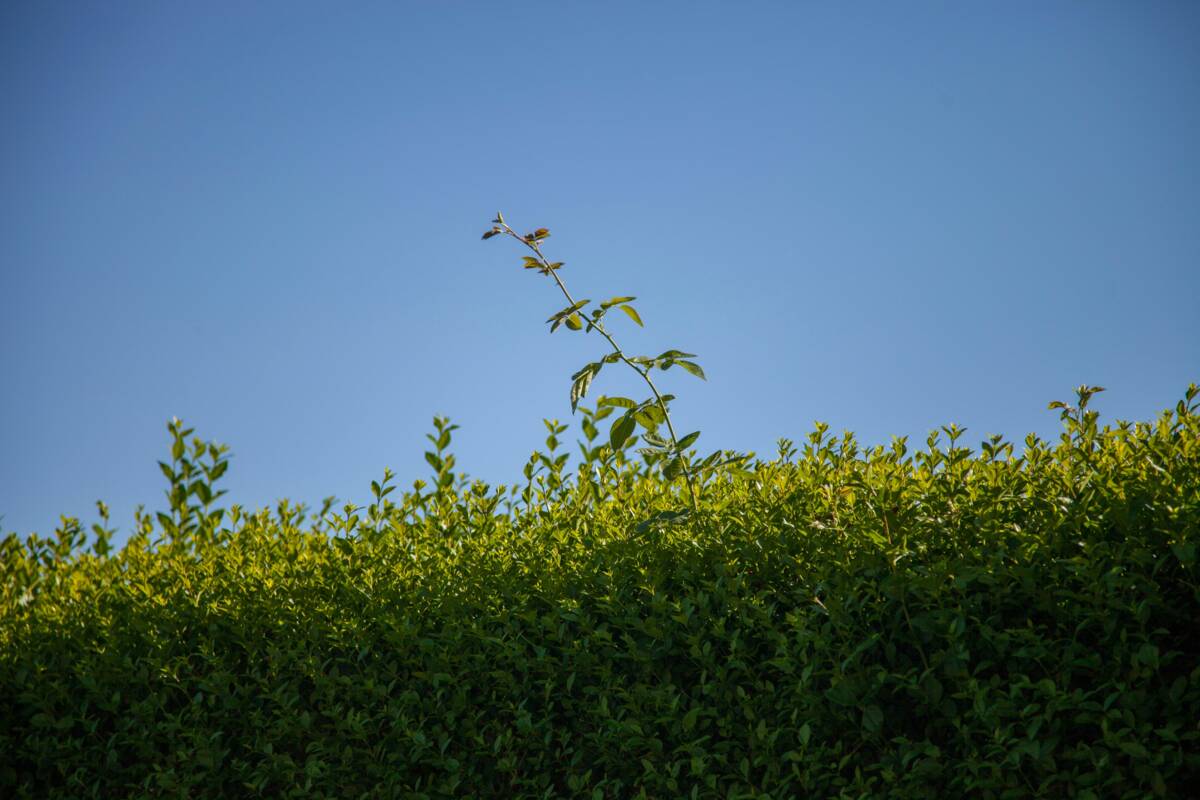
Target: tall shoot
column 671, row 452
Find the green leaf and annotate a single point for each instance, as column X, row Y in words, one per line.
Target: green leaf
column 619, row 402
column 689, row 719
column 616, row 301
column 620, row 431
column 646, row 419
column 654, row 440
column 577, row 306
column 693, row 367
column 674, row 354
column 673, row 468
column 583, row 379
column 574, row 322
column 592, row 367
column 655, row 413
column 633, row 315
column 686, row 441
column 568, row 311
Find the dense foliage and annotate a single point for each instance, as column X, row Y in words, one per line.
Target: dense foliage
column 841, row 621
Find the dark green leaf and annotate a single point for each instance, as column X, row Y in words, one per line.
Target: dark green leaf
column 620, row 431
column 583, row 379
column 672, row 469
column 592, row 367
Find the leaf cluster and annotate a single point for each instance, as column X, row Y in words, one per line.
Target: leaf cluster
column 665, row 448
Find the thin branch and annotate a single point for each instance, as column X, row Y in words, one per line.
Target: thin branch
column 644, row 372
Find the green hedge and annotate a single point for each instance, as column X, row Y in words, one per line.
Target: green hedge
column 838, row 622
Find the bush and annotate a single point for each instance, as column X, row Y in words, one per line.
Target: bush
column 837, row 622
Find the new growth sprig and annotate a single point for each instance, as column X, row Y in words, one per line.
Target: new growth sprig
column 672, row 451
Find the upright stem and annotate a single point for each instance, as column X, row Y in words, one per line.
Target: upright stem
column 533, row 245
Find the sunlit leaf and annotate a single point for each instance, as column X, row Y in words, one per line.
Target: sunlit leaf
column 633, row 315
column 616, row 301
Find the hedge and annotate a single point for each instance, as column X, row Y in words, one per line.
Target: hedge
column 1014, row 620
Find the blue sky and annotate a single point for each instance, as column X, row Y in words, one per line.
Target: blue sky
column 264, row 218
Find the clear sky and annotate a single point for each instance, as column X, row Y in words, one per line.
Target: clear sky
column 264, row 218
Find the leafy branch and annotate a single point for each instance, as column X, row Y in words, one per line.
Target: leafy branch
column 650, row 413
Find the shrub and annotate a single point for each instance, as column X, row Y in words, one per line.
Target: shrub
column 840, row 621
